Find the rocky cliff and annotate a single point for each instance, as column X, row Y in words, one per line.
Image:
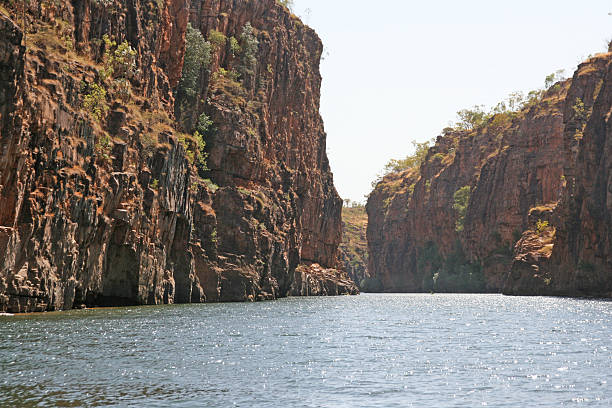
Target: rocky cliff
column 485, row 197
column 576, row 260
column 354, row 247
column 105, row 194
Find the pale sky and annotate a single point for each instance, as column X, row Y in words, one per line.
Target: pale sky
column 399, row 70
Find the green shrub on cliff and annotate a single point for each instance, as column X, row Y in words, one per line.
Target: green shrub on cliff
column 119, row 60
column 249, row 46
column 542, row 227
column 235, row 47
column 461, row 199
column 194, row 145
column 94, row 102
column 196, row 62
column 217, row 39
column 471, row 119
column 412, row 161
column 197, row 58
column 580, row 113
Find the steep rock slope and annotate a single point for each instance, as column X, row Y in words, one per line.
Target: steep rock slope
column 484, row 201
column 577, row 259
column 101, row 201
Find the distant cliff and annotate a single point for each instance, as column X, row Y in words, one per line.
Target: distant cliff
column 162, row 152
column 481, row 213
column 354, row 248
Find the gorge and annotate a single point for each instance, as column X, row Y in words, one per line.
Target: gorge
column 172, row 151
column 172, row 235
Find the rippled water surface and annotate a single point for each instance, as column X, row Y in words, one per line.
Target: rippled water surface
column 363, row 351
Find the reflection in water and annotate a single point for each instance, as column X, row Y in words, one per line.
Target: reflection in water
column 369, row 350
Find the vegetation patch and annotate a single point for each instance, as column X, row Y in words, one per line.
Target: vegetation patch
column 461, row 200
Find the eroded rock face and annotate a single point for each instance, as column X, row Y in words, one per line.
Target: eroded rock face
column 417, row 239
column 97, row 212
column 514, row 237
column 580, row 261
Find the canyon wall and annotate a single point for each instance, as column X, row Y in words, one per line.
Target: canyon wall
column 485, row 201
column 577, row 259
column 102, row 198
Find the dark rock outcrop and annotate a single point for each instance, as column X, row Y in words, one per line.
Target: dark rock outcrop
column 111, row 210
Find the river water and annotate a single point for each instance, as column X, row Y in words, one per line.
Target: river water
column 360, row 351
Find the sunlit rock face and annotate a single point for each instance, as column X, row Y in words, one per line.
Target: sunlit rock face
column 580, row 260
column 529, row 177
column 96, row 211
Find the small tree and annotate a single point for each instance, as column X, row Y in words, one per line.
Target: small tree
column 412, row 161
column 553, row 78
column 461, row 200
column 217, row 39
column 119, row 60
column 409, row 162
column 249, row 46
column 197, row 59
column 94, row 102
column 471, row 119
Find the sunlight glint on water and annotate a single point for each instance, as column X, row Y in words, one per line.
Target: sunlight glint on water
column 364, row 351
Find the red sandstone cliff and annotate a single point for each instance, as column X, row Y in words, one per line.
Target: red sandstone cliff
column 577, row 259
column 112, row 210
column 514, row 169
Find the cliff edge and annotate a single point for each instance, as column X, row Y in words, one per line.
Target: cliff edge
column 162, row 152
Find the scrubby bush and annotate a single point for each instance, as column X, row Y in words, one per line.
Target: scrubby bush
column 249, row 45
column 409, row 162
column 103, row 146
column 461, row 199
column 471, row 119
column 119, row 60
column 195, row 145
column 94, row 102
column 412, row 161
column 122, row 89
column 579, row 110
column 502, row 114
column 542, row 227
column 210, row 185
column 228, row 74
column 235, row 46
column 196, row 62
column 217, row 39
column 553, row 78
